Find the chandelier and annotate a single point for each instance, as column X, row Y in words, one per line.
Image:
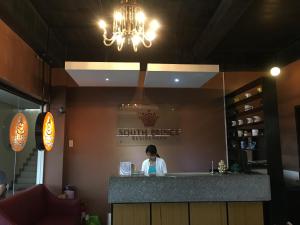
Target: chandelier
column 129, row 27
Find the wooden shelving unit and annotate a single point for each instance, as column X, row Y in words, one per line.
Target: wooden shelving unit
column 266, row 156
column 249, row 112
column 248, row 95
column 246, row 100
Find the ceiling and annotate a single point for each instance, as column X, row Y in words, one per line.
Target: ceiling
column 248, row 34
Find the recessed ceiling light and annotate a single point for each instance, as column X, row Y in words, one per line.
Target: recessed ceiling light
column 275, row 71
column 176, row 80
column 106, row 79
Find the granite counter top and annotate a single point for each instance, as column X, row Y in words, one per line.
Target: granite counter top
column 190, row 188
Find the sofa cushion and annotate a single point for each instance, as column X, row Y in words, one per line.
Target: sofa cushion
column 58, row 220
column 39, row 206
column 4, row 220
column 26, row 207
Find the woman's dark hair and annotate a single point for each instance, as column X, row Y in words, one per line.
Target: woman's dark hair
column 152, row 150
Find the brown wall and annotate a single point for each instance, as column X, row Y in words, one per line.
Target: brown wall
column 91, row 121
column 53, row 175
column 60, row 78
column 235, row 80
column 288, row 87
column 19, row 64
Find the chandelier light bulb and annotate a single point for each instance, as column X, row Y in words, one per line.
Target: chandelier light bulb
column 119, row 39
column 275, row 71
column 141, row 17
column 136, row 40
column 150, row 35
column 154, row 25
column 102, row 24
column 118, row 16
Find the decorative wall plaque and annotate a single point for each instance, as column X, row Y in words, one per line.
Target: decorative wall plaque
column 140, row 124
column 18, row 133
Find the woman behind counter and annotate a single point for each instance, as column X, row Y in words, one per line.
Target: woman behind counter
column 154, row 165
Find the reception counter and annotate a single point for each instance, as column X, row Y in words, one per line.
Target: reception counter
column 189, row 199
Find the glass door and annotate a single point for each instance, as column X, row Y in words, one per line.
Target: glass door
column 20, row 162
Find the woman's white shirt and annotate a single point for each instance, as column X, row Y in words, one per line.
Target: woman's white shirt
column 161, row 167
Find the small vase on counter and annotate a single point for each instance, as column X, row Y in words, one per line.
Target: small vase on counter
column 222, row 167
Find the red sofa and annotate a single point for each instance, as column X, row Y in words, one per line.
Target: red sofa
column 37, row 206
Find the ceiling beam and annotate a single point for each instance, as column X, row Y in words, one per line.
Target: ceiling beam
column 23, row 18
column 223, row 20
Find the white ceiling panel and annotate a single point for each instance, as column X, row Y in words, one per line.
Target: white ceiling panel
column 179, row 75
column 104, row 74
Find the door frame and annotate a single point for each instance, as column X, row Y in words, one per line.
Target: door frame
column 297, row 119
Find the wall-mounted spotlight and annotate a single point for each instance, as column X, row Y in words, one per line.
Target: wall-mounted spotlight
column 275, row 71
column 62, row 109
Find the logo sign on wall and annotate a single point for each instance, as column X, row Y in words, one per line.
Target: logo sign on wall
column 45, row 131
column 18, row 132
column 144, row 124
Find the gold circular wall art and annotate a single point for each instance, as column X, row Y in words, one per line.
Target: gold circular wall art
column 18, row 132
column 48, row 131
column 45, row 131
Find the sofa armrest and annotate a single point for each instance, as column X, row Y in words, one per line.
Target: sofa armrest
column 63, row 207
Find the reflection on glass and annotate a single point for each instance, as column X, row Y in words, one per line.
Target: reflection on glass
column 17, row 169
column 18, row 133
column 3, row 184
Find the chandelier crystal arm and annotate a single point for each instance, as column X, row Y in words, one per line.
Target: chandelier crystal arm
column 147, row 43
column 108, row 41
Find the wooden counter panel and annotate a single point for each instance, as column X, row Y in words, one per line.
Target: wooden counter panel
column 202, row 213
column 208, row 214
column 131, row 214
column 170, row 214
column 245, row 213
